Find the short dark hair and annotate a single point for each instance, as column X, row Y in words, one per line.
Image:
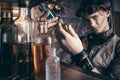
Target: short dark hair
column 91, row 6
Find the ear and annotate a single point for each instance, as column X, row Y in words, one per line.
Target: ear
column 108, row 13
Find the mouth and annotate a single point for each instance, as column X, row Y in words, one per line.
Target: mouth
column 95, row 29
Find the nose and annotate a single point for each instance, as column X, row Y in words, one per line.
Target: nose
column 92, row 22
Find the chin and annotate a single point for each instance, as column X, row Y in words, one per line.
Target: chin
column 96, row 31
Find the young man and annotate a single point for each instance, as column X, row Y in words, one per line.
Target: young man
column 98, row 51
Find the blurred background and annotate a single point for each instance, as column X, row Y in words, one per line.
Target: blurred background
column 67, row 9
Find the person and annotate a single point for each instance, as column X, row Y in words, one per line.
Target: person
column 98, row 51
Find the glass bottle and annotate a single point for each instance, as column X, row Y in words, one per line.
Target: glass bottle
column 25, row 26
column 41, row 50
column 7, row 40
column 53, row 66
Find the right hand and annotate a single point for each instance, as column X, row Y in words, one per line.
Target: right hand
column 70, row 39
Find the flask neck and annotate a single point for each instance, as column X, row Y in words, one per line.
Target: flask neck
column 24, row 11
column 53, row 52
column 24, row 8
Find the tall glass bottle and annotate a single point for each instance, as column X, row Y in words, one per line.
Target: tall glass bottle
column 24, row 24
column 7, row 40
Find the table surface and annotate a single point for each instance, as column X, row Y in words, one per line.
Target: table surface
column 69, row 72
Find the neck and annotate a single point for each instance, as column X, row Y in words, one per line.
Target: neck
column 107, row 27
column 23, row 12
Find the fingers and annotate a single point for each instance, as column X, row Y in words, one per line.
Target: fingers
column 72, row 31
column 44, row 17
column 67, row 30
column 51, row 25
column 52, row 20
column 62, row 30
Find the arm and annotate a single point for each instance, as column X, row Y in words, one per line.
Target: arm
column 115, row 64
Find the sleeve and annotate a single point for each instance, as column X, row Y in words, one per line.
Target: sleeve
column 82, row 60
column 115, row 64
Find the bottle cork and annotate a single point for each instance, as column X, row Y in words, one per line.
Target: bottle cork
column 6, row 6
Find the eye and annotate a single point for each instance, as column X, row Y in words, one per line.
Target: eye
column 94, row 17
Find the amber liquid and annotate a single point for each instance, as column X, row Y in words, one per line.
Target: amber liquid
column 40, row 52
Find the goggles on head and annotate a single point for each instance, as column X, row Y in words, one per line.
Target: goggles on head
column 92, row 9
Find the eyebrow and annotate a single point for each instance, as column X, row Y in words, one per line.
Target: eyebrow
column 88, row 17
column 93, row 16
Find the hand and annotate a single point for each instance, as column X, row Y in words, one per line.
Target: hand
column 70, row 39
column 50, row 22
column 39, row 16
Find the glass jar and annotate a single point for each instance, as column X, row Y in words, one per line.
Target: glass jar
column 41, row 50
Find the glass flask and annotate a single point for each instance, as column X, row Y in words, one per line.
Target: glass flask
column 25, row 27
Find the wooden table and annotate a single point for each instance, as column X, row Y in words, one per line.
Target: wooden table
column 74, row 73
column 69, row 72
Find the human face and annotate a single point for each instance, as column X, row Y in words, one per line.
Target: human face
column 98, row 21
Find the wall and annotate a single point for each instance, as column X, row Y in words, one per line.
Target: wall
column 117, row 5
column 116, row 16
